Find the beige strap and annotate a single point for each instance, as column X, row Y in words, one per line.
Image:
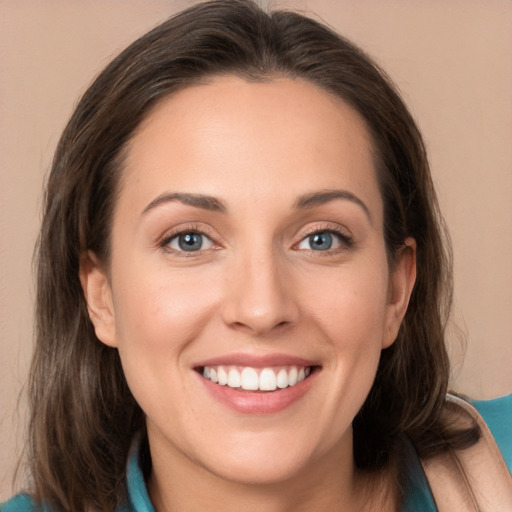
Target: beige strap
column 472, row 480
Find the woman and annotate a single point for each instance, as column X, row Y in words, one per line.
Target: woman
column 242, row 282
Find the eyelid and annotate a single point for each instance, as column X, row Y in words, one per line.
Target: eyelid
column 323, row 226
column 176, row 240
column 346, row 238
column 183, row 229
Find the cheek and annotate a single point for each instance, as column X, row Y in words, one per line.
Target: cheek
column 350, row 305
column 351, row 315
column 354, row 323
column 161, row 306
column 158, row 315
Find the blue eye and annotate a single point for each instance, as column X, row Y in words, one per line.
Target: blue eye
column 320, row 241
column 324, row 241
column 189, row 242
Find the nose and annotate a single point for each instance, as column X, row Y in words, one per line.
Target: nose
column 260, row 297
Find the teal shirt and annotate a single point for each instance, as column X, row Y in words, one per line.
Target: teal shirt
column 496, row 413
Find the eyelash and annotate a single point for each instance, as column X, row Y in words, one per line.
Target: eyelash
column 188, row 230
column 346, row 241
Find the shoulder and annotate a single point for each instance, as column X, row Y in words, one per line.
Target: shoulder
column 20, row 503
column 23, row 503
column 476, row 477
column 444, row 478
column 497, row 414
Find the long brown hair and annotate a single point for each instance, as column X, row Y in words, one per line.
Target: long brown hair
column 83, row 416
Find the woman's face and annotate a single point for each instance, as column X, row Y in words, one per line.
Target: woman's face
column 247, row 247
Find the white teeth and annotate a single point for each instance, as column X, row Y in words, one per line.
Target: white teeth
column 268, row 380
column 222, row 376
column 292, row 376
column 282, row 379
column 234, row 380
column 252, row 379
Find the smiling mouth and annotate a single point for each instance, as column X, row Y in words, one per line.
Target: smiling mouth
column 256, row 379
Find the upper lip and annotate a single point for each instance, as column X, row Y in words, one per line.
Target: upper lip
column 256, row 361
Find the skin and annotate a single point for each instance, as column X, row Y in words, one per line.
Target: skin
column 256, row 287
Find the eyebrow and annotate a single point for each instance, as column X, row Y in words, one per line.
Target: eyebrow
column 197, row 200
column 313, row 199
column 211, row 203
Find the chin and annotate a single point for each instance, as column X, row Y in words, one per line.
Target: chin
column 263, row 471
column 261, row 459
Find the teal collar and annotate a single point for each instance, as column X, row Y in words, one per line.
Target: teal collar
column 417, row 491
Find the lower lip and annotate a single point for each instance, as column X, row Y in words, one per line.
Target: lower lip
column 253, row 402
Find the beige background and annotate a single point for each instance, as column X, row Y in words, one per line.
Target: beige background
column 452, row 61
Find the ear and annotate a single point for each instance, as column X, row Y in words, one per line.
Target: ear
column 98, row 295
column 401, row 283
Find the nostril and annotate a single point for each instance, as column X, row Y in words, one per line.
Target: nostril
column 260, row 325
column 259, row 300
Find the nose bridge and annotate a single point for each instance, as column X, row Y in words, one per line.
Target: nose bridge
column 259, row 297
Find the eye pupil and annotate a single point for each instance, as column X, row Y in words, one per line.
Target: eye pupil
column 190, row 242
column 321, row 241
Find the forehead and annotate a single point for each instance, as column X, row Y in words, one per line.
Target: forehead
column 231, row 135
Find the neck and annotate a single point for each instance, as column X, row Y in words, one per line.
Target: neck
column 331, row 484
